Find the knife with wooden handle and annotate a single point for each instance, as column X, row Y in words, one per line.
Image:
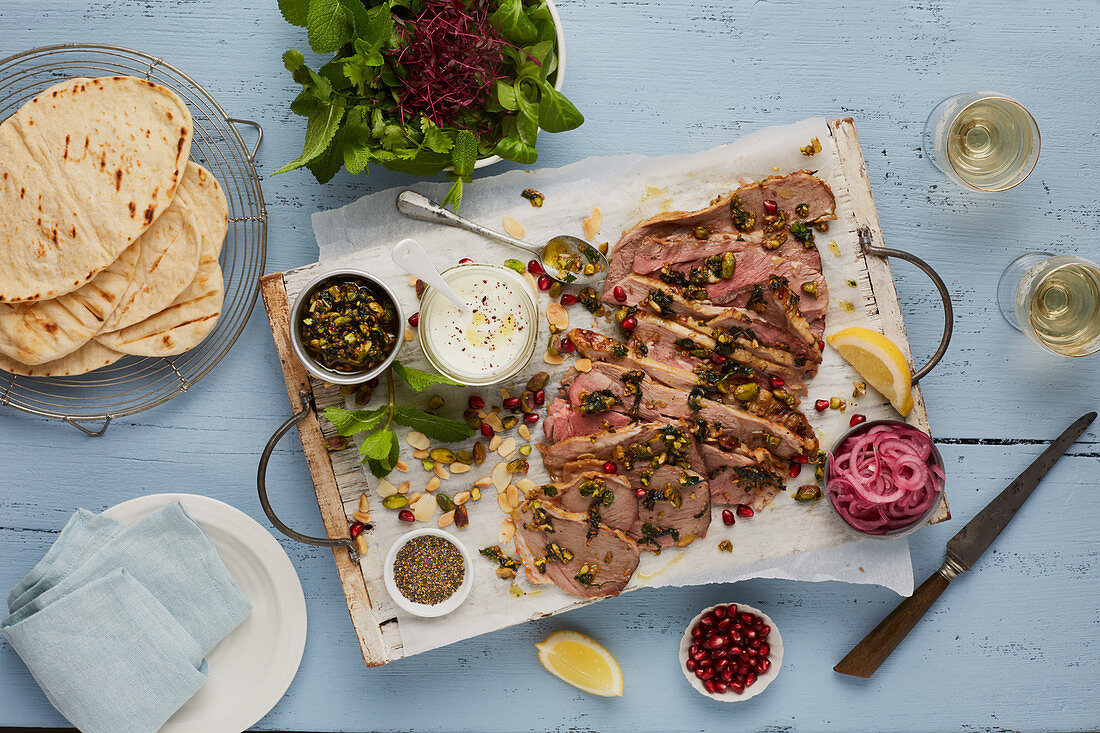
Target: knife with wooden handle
column 963, row 550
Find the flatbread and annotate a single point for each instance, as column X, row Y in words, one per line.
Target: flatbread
column 85, row 168
column 43, row 331
column 209, row 204
column 87, row 358
column 170, row 251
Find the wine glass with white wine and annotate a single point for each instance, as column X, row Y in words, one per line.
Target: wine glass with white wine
column 1054, row 300
column 983, row 140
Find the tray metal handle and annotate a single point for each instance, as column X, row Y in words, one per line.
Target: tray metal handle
column 261, row 484
column 948, row 312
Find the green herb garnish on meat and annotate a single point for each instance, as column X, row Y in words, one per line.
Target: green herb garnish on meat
column 421, row 86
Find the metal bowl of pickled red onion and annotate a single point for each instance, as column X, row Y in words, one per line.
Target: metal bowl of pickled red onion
column 884, row 478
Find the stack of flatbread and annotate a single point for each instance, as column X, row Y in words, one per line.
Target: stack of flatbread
column 109, row 234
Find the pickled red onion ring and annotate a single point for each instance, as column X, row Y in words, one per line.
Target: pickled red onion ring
column 885, row 478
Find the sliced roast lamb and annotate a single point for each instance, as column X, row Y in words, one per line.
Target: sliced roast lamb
column 736, row 479
column 673, row 509
column 603, row 497
column 563, row 421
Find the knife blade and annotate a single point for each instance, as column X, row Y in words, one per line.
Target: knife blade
column 963, row 550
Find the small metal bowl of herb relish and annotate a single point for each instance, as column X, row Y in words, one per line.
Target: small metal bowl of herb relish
column 346, row 327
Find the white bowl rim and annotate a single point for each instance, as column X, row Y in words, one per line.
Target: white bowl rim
column 559, row 73
column 425, row 610
column 775, row 641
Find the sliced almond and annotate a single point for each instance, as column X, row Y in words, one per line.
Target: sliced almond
column 524, row 431
column 441, row 472
column 424, row 507
column 512, row 492
column 593, row 223
column 415, row 495
column 495, row 442
column 513, row 227
column 583, row 365
column 418, row 440
column 507, row 448
column 552, row 358
column 494, row 422
column 526, row 484
column 557, row 316
column 459, row 467
column 412, row 281
column 385, row 488
column 403, row 488
column 409, row 335
column 363, row 517
column 401, row 466
column 447, row 519
column 462, row 497
column 507, row 531
column 502, row 502
column 481, row 483
column 421, row 455
column 531, row 280
column 500, row 476
column 433, row 484
column 504, row 394
column 361, row 544
column 364, row 502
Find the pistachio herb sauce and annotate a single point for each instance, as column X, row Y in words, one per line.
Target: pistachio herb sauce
column 347, row 326
column 492, row 336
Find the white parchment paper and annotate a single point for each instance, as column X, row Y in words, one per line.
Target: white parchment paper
column 787, row 539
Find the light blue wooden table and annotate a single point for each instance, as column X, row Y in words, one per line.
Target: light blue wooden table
column 1013, row 645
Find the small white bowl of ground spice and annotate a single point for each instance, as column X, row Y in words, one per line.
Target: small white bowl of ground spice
column 428, row 572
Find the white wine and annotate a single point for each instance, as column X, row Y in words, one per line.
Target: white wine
column 989, row 143
column 1060, row 300
column 983, row 140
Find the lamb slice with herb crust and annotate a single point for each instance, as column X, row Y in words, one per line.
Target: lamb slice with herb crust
column 564, row 422
column 607, row 497
column 741, row 212
column 737, row 479
column 556, row 544
column 674, row 510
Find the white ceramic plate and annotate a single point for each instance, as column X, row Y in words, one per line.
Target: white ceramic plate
column 252, row 668
column 775, row 641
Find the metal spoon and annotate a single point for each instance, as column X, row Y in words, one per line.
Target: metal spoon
column 410, row 256
column 550, row 255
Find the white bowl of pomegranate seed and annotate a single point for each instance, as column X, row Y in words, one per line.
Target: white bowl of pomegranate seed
column 731, row 652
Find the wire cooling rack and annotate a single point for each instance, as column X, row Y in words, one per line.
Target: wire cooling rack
column 134, row 384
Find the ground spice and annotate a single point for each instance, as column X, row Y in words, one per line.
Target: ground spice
column 428, row 569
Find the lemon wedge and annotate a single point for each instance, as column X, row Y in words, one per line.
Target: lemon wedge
column 879, row 361
column 582, row 662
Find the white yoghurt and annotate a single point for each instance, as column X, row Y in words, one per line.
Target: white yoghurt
column 494, row 339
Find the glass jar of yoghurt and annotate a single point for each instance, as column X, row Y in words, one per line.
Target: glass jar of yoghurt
column 494, row 340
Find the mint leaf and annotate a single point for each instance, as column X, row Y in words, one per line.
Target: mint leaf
column 511, row 20
column 464, row 154
column 436, row 428
column 556, row 112
column 329, row 24
column 349, row 422
column 294, row 11
column 453, row 197
column 320, row 130
column 377, row 445
column 419, row 380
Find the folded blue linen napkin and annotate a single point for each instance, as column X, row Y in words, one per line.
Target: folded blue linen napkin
column 115, row 620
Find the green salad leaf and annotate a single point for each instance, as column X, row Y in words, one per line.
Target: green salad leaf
column 372, row 102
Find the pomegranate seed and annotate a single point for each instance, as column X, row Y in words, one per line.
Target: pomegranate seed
column 414, row 319
column 690, row 664
column 737, row 687
column 764, row 629
column 535, row 267
column 717, row 655
column 566, row 346
column 464, row 261
column 820, row 345
column 406, row 515
column 746, row 617
column 727, row 674
column 770, row 207
column 764, row 649
column 732, row 609
column 487, row 430
column 699, row 655
column 711, row 686
column 544, row 282
column 727, row 518
column 718, row 358
column 821, row 405
column 708, row 620
column 717, row 641
column 744, row 510
column 699, row 673
column 372, row 383
column 719, row 612
column 795, row 469
column 735, row 636
column 357, row 529
column 707, row 674
column 640, row 493
column 750, row 678
column 743, row 669
column 723, row 624
column 610, row 467
column 697, row 632
column 704, row 662
column 763, row 665
column 735, row 650
column 629, row 323
column 619, row 293
column 721, row 686
column 751, row 634
column 540, row 397
column 530, row 418
column 511, row 403
column 801, row 459
column 857, row 419
column 475, row 402
column 776, row 382
column 694, row 648
column 568, row 299
column 721, row 663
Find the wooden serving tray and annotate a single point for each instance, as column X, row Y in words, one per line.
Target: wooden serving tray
column 338, row 477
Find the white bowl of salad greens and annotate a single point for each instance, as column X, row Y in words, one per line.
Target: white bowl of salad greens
column 427, row 86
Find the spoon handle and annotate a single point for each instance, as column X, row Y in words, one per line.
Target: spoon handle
column 416, row 206
column 411, row 257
